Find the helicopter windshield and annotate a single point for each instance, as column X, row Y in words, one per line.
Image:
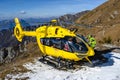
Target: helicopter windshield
column 77, row 44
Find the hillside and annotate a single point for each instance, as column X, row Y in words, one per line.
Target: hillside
column 105, row 21
column 105, row 14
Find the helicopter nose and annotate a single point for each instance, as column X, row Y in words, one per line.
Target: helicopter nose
column 91, row 52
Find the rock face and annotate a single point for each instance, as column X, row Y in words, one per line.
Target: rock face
column 7, row 38
column 7, row 54
column 10, row 47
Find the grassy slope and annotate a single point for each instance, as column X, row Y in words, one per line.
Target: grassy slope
column 106, row 21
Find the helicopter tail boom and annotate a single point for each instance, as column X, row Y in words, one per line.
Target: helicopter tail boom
column 19, row 33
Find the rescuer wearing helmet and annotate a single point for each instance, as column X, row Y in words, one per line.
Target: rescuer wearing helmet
column 91, row 41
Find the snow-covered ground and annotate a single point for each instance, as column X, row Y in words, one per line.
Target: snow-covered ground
column 106, row 71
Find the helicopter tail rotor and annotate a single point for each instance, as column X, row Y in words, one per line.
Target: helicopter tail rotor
column 18, row 31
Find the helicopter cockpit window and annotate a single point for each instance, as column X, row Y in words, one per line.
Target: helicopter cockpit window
column 75, row 45
column 46, row 41
column 81, row 42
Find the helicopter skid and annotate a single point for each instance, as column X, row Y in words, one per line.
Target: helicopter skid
column 67, row 65
column 59, row 63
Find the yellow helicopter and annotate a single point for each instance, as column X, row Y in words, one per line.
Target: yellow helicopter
column 56, row 41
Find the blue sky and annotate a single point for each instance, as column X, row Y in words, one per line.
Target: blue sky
column 44, row 8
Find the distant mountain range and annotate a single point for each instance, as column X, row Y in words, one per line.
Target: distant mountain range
column 72, row 17
column 6, row 24
column 36, row 21
column 69, row 19
column 64, row 20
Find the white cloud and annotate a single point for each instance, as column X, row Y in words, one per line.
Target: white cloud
column 22, row 12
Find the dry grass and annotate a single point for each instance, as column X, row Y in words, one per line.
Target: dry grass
column 13, row 70
column 103, row 34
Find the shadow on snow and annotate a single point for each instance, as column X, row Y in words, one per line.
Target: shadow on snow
column 104, row 58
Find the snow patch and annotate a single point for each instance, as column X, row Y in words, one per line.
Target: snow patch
column 106, row 71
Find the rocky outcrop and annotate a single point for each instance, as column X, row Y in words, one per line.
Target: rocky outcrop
column 7, row 38
column 7, row 54
column 10, row 48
